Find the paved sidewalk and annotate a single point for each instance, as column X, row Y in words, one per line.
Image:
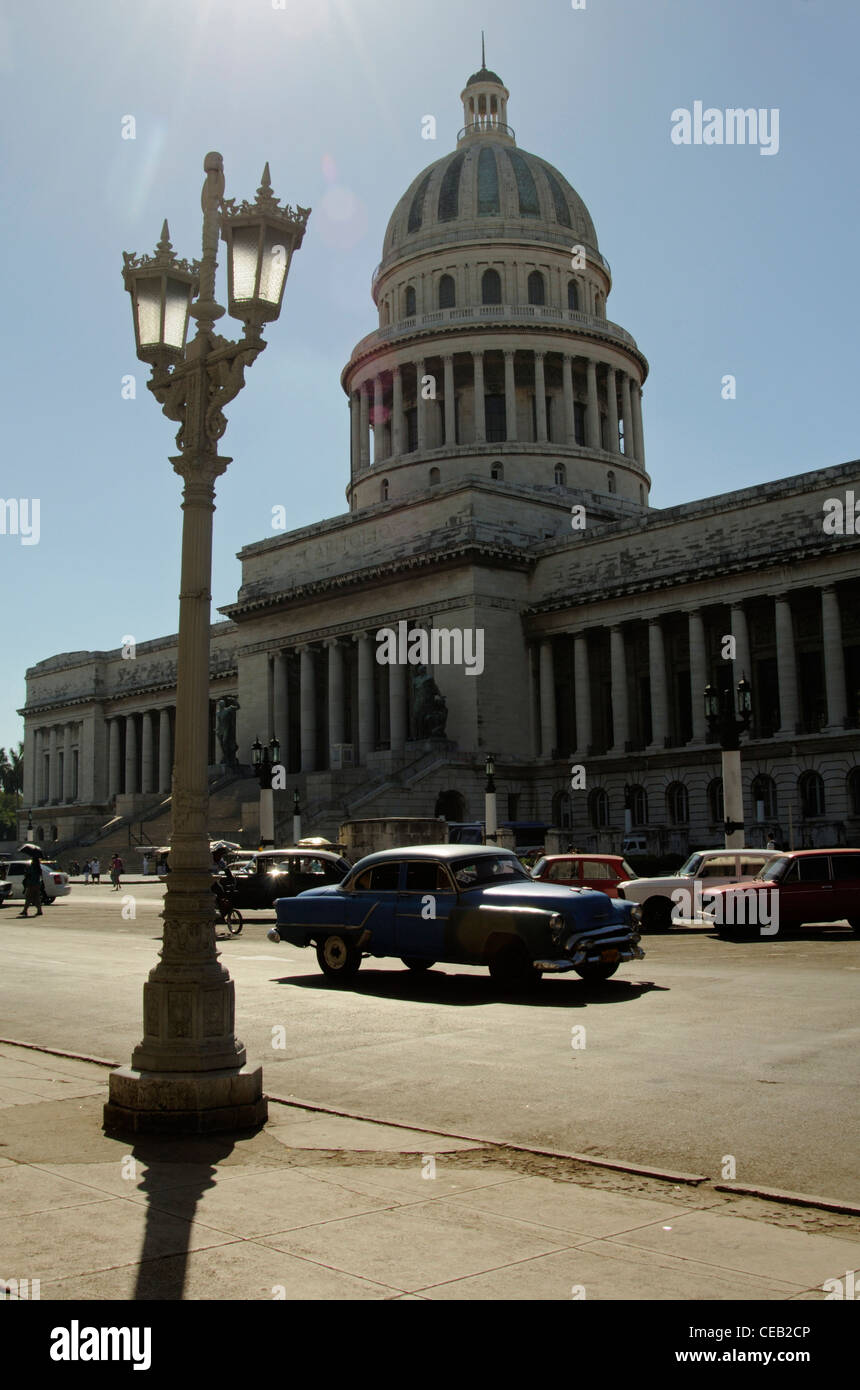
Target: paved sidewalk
column 325, row 1207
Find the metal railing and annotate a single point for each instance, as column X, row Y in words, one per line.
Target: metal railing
column 511, row 313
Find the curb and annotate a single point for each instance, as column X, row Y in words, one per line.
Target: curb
column 769, row 1194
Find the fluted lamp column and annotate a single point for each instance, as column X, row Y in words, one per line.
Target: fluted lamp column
column 189, row 1075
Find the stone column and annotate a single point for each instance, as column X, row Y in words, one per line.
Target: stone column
column 31, row 763
column 450, row 412
column 657, row 674
column 740, row 632
column 131, row 784
column 620, row 709
column 510, row 395
column 68, row 765
column 335, row 695
column 582, row 691
column 270, row 700
column 355, row 430
column 307, row 710
column 114, row 778
column 548, row 721
column 698, row 674
column 53, row 769
column 627, row 416
column 786, row 666
column 280, row 710
column 540, row 398
column 612, row 407
column 146, row 751
column 397, row 706
column 534, row 712
column 638, row 436
column 567, row 384
column 478, row 391
column 592, row 410
column 364, row 426
column 834, row 658
column 366, row 727
column 397, row 437
column 165, row 758
column 378, row 423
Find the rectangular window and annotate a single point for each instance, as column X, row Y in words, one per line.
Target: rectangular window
column 411, row 430
column 579, row 422
column 496, row 419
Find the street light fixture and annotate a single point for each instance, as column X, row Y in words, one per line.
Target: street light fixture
column 266, row 763
column 189, row 1074
column 297, row 817
column 490, row 815
column 725, row 726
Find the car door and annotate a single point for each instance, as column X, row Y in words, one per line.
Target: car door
column 806, row 892
column 846, row 886
column 371, row 903
column 424, row 904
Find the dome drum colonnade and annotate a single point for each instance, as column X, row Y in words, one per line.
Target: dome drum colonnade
column 488, row 335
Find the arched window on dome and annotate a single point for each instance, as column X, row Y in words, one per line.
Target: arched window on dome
column 435, row 477
column 447, row 292
column 599, row 304
column 488, row 184
column 449, row 191
column 491, row 287
column 529, row 205
column 497, row 472
column 416, row 211
column 560, row 475
column 383, row 490
column 611, row 483
column 409, row 308
column 562, row 211
column 386, row 314
column 537, row 288
column 572, row 295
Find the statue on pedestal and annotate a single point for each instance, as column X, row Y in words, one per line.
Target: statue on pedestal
column 225, row 726
column 429, row 706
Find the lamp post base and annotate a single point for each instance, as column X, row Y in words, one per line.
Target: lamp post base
column 215, row 1102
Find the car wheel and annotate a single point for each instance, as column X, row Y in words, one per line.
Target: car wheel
column 597, row 971
column 657, row 914
column 46, row 898
column 414, row 963
column 511, row 969
column 338, row 958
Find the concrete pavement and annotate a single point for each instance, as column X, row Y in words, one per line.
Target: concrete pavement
column 320, row 1206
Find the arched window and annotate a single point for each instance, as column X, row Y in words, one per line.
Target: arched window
column 491, row 287
column 854, row 791
column 598, row 808
column 638, row 805
column 572, row 295
column 383, row 490
column 435, row 477
column 560, row 475
column 642, row 494
column 763, row 790
column 610, row 481
column 409, row 306
column 598, row 303
column 488, row 184
column 449, row 190
column 416, row 211
column 526, row 189
column 386, row 314
column 447, row 292
column 716, row 806
column 537, row 288
column 677, row 804
column 450, row 806
column 40, row 833
column 497, row 472
column 811, row 789
column 562, row 211
column 562, row 811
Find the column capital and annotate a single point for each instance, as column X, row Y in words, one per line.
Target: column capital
column 539, row 352
column 509, row 353
column 447, row 356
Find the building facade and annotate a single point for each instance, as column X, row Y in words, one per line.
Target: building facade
column 498, row 494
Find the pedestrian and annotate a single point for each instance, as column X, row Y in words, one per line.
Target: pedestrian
column 86, row 871
column 96, row 870
column 116, row 868
column 771, row 843
column 33, row 886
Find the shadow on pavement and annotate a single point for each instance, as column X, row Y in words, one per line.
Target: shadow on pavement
column 434, row 987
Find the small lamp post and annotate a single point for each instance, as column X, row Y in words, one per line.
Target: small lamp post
column 189, row 1073
column 490, row 817
column 267, row 766
column 728, row 718
column 628, row 809
column 297, row 817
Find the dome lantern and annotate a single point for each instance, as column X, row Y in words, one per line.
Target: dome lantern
column 485, row 105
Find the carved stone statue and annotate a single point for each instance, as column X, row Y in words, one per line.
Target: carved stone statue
column 225, row 726
column 429, row 706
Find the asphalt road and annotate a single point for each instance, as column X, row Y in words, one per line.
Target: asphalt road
column 704, row 1050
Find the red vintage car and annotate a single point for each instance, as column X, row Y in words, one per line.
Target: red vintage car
column 801, row 887
column 601, row 871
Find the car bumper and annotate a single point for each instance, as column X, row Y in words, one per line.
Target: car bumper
column 591, row 954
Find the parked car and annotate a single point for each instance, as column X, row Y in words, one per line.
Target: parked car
column 281, row 873
column 55, row 883
column 472, row 905
column 708, row 866
column 601, row 871
column 5, row 890
column 795, row 889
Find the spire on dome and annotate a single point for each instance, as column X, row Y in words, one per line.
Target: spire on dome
column 483, row 55
column 485, row 103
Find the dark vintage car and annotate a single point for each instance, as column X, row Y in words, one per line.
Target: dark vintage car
column 473, row 905
column 805, row 886
column 281, row 873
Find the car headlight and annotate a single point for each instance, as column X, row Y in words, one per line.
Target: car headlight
column 636, row 915
column 556, row 926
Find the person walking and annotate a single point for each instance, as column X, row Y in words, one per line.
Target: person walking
column 33, row 886
column 87, row 871
column 96, row 870
column 116, row 868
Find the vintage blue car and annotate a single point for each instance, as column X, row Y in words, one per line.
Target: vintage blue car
column 462, row 904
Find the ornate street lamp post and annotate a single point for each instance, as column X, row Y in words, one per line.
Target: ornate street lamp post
column 189, row 1074
column 267, row 765
column 725, row 727
column 297, row 817
column 492, row 824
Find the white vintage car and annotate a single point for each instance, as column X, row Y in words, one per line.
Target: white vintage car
column 660, row 898
column 55, row 883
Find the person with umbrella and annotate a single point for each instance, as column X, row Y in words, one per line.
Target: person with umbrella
column 32, row 880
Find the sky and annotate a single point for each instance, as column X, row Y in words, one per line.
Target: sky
column 725, row 260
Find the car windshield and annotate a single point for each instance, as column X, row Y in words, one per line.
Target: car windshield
column 774, row 868
column 487, row 868
column 691, row 867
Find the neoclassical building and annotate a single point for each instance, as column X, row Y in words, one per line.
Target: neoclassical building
column 497, row 486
